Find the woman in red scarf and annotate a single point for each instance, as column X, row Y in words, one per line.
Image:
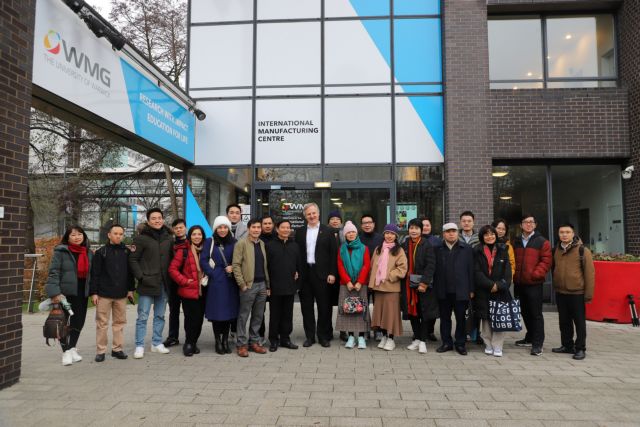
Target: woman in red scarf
column 69, row 278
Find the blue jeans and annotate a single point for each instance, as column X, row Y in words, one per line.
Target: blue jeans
column 144, row 307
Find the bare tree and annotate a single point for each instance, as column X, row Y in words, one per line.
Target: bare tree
column 158, row 29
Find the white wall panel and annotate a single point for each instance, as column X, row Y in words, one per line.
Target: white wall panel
column 224, row 137
column 414, row 143
column 221, row 10
column 358, row 130
column 221, row 56
column 288, row 9
column 288, row 53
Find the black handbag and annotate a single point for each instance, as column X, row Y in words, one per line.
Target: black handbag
column 414, row 280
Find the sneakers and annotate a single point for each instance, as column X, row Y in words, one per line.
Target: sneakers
column 414, row 345
column 74, row 355
column 422, row 347
column 382, row 342
column 523, row 343
column 389, row 344
column 536, row 351
column 351, row 342
column 497, row 352
column 67, row 359
column 362, row 344
column 160, row 348
column 488, row 350
column 139, row 353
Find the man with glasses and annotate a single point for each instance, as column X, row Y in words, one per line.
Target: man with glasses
column 533, row 261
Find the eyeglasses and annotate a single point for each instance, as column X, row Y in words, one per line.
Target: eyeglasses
column 367, row 222
column 528, row 222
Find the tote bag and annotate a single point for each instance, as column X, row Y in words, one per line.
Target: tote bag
column 505, row 315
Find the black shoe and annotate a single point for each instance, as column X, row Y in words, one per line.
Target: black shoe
column 273, row 347
column 308, row 343
column 171, row 342
column 523, row 343
column 580, row 355
column 218, row 345
column 100, row 357
column 196, row 350
column 536, row 351
column 462, row 351
column 343, row 336
column 325, row 344
column 563, row 349
column 432, row 337
column 118, row 355
column 187, row 350
column 289, row 345
column 444, row 348
column 225, row 344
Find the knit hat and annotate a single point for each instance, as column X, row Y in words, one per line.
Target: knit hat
column 348, row 226
column 335, row 214
column 391, row 228
column 221, row 220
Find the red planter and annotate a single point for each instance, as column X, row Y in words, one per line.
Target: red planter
column 614, row 281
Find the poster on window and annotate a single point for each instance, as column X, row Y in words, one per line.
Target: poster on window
column 404, row 214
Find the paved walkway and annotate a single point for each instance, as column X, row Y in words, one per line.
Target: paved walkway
column 333, row 386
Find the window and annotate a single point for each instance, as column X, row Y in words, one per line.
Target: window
column 541, row 51
column 419, row 193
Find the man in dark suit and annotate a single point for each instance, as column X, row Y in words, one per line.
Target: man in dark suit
column 319, row 253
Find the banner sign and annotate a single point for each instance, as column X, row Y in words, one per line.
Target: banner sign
column 72, row 63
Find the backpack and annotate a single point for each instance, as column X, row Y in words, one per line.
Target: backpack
column 57, row 325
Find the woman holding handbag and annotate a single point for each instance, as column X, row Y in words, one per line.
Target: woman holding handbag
column 419, row 303
column 69, row 279
column 353, row 270
column 186, row 272
column 388, row 268
column 493, row 279
column 222, row 297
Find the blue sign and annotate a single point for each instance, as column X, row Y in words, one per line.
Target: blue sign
column 157, row 117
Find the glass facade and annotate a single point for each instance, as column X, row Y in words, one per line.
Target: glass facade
column 560, row 51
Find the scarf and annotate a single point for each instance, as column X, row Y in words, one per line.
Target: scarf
column 195, row 250
column 381, row 272
column 352, row 255
column 83, row 260
column 412, row 294
column 490, row 253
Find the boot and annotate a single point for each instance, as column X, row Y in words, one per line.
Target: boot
column 219, row 348
column 225, row 343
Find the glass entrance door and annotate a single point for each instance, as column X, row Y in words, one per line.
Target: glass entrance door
column 352, row 203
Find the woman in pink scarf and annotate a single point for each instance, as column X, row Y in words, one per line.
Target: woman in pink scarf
column 388, row 268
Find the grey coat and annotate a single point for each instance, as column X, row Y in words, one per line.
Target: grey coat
column 149, row 261
column 63, row 273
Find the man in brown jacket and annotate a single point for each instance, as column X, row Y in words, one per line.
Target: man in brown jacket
column 573, row 281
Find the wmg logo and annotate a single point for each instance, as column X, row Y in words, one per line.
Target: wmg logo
column 52, row 43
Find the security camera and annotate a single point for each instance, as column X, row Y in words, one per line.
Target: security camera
column 200, row 115
column 626, row 174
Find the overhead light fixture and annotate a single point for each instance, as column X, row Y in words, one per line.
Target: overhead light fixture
column 529, row 74
column 335, row 199
column 499, row 174
column 515, row 88
column 505, row 197
column 265, row 204
column 322, row 184
column 568, row 37
column 339, row 204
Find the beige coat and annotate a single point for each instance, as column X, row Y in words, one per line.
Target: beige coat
column 396, row 271
column 244, row 263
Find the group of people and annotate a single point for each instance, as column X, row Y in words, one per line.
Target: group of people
column 229, row 277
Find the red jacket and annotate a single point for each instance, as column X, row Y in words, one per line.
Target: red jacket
column 182, row 270
column 363, row 277
column 532, row 262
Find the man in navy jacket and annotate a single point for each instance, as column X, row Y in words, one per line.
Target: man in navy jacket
column 454, row 286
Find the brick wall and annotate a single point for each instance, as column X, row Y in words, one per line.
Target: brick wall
column 467, row 162
column 629, row 31
column 16, row 51
column 559, row 123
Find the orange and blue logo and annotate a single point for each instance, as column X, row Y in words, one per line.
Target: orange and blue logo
column 52, row 42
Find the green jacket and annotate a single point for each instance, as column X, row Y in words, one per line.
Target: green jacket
column 149, row 261
column 244, row 263
column 63, row 273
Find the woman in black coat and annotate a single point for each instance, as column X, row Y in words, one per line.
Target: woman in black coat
column 492, row 278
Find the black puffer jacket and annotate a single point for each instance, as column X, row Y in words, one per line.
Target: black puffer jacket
column 150, row 257
column 110, row 273
column 500, row 275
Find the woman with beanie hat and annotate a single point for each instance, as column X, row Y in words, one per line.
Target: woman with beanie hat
column 222, row 299
column 388, row 268
column 353, row 270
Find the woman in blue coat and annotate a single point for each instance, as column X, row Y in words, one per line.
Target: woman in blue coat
column 222, row 297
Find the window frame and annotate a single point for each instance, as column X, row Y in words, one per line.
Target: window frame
column 542, row 17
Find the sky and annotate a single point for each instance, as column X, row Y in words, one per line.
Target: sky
column 103, row 7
